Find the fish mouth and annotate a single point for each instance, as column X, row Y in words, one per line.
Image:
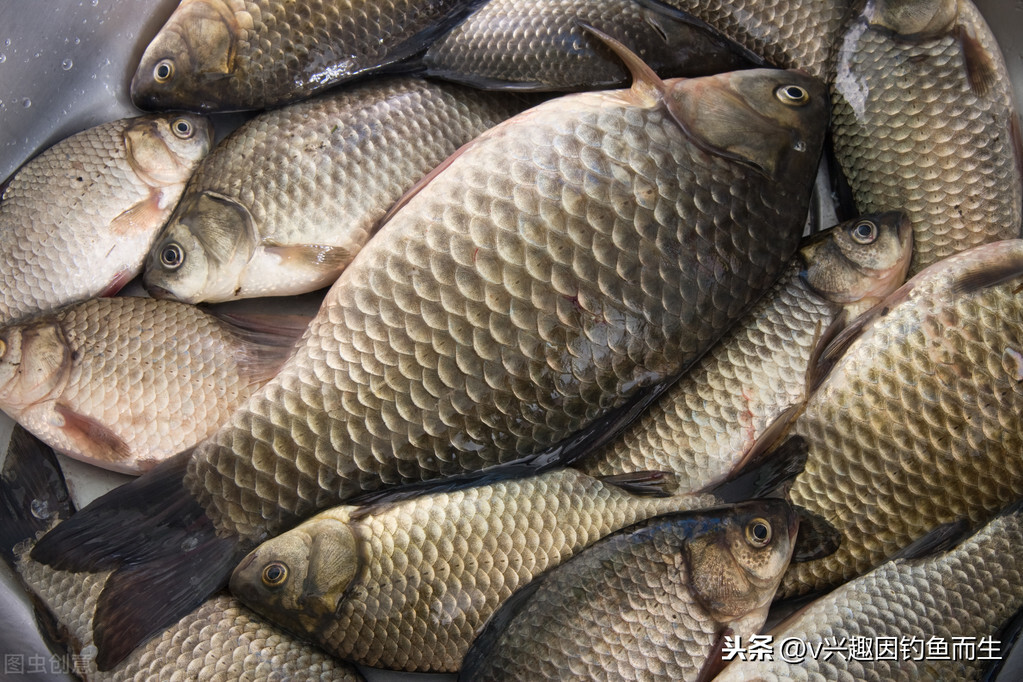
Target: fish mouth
column 158, row 292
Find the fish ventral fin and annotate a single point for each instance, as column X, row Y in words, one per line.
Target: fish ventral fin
column 645, row 483
column 33, row 494
column 320, row 257
column 988, row 274
column 165, row 552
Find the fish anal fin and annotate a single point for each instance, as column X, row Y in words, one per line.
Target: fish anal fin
column 142, row 217
column 91, row 438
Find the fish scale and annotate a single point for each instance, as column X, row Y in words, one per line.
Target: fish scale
column 968, row 592
column 891, row 458
column 62, row 209
column 263, row 53
column 431, row 570
column 423, row 261
column 948, row 156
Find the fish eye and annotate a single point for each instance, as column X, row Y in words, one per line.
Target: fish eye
column 792, row 95
column 758, row 532
column 183, row 128
column 864, row 232
column 275, row 574
column 163, row 70
column 171, row 256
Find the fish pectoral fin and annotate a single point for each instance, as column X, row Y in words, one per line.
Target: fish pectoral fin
column 816, row 538
column 715, row 662
column 981, row 70
column 117, row 283
column 647, row 483
column 91, row 438
column 988, row 274
column 139, row 218
column 312, row 256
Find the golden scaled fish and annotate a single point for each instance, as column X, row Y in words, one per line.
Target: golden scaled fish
column 230, row 55
column 407, row 585
column 221, row 641
column 923, row 120
column 124, row 383
column 950, row 604
column 542, row 45
column 563, row 264
column 917, row 423
column 719, row 415
column 790, row 34
column 77, row 221
column 284, row 203
column 653, row 601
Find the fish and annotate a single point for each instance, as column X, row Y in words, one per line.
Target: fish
column 789, row 34
column 285, row 203
column 407, row 585
column 916, row 423
column 126, row 382
column 219, row 641
column 723, row 412
column 653, row 601
column 229, row 55
column 77, row 221
column 923, row 120
column 949, row 599
column 542, row 45
column 563, row 264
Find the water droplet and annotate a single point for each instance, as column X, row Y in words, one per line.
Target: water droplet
column 78, row 41
column 7, row 43
column 26, row 102
column 3, row 58
column 40, row 509
column 95, row 2
column 189, row 544
column 67, row 64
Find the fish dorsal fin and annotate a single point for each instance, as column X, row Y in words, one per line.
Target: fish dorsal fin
column 647, row 86
column 269, row 340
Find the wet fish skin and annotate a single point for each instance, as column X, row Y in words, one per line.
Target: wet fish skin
column 531, row 287
column 369, row 585
column 124, row 383
column 230, row 55
column 705, row 425
column 78, row 220
column 923, row 120
column 969, row 592
column 283, row 205
column 540, row 45
column 916, row 424
column 790, row 34
column 646, row 603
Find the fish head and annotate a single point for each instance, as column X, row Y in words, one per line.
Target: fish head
column 769, row 119
column 737, row 555
column 859, row 261
column 190, row 62
column 918, row 18
column 35, row 361
column 164, row 149
column 202, row 251
column 299, row 578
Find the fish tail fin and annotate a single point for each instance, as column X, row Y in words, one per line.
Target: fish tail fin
column 33, row 494
column 164, row 551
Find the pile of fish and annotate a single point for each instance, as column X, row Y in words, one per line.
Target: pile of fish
column 588, row 390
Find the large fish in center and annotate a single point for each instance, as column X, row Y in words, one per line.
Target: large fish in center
column 565, row 262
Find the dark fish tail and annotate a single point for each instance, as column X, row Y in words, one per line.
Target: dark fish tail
column 163, row 549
